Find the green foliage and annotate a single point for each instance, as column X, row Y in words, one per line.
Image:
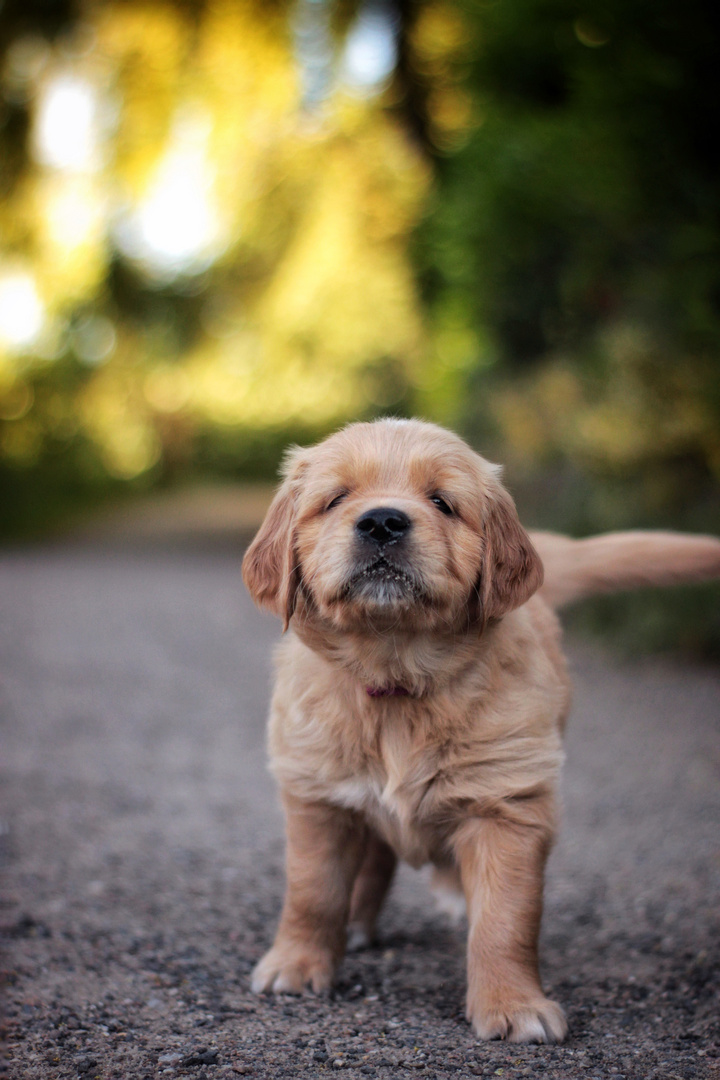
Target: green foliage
column 589, row 189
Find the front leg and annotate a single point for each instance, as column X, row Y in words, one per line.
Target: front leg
column 324, row 849
column 502, row 866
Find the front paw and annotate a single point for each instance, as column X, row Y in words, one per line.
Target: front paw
column 538, row 1020
column 289, row 968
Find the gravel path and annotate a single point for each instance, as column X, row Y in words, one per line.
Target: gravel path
column 142, row 871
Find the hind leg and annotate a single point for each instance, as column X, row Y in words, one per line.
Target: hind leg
column 446, row 887
column 370, row 889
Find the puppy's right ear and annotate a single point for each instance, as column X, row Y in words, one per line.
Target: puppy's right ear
column 270, row 569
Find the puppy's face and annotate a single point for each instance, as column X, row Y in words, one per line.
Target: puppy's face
column 395, row 524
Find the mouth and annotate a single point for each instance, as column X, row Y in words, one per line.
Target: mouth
column 383, row 583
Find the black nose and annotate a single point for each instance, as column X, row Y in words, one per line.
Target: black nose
column 383, row 524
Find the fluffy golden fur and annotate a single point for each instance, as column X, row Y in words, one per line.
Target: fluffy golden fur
column 420, row 699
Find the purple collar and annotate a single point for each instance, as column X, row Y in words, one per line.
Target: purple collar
column 387, row 691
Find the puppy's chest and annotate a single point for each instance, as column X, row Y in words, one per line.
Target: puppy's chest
column 395, row 785
column 408, row 773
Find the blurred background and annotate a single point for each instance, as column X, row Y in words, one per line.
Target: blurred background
column 232, row 224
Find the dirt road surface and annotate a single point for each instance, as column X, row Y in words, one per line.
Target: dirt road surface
column 143, row 854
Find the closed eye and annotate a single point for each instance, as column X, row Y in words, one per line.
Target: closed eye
column 443, row 506
column 338, row 499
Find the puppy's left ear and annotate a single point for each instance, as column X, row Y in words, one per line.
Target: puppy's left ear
column 270, row 569
column 511, row 569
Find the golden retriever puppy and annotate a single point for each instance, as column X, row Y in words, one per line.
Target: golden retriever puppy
column 420, row 699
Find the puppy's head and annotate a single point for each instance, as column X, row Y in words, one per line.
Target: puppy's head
column 392, row 524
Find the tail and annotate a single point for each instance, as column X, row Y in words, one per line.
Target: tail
column 575, row 569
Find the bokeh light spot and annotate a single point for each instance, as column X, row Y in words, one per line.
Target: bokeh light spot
column 16, row 400
column 21, row 310
column 65, row 135
column 177, row 227
column 94, row 339
column 370, row 53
